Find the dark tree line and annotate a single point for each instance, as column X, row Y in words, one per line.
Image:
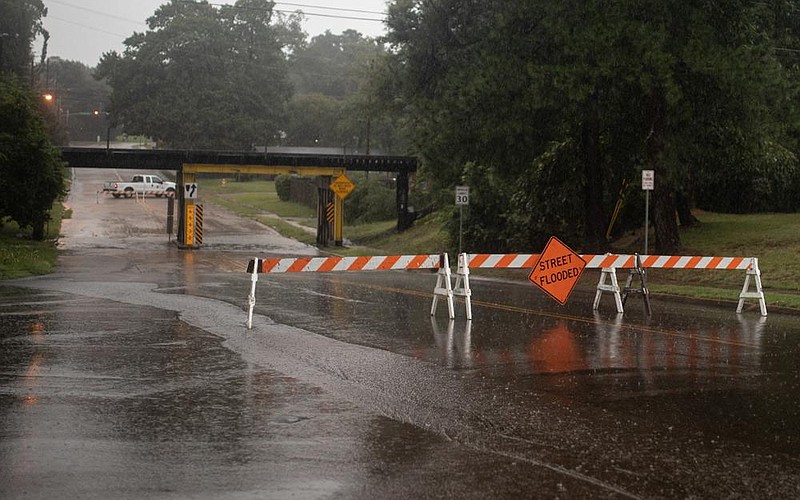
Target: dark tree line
column 549, row 108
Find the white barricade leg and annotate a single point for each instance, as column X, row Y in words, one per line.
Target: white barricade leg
column 444, row 288
column 613, row 288
column 754, row 273
column 462, row 288
column 251, row 299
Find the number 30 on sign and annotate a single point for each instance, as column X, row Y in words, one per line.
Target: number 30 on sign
column 462, row 195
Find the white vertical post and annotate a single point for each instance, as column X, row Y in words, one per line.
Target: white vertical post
column 444, row 288
column 251, row 299
column 646, row 221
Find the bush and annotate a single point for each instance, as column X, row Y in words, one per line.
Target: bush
column 373, row 200
column 283, row 186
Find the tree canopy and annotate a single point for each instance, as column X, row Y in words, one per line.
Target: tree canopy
column 203, row 76
column 31, row 174
column 550, row 108
column 333, row 105
column 20, row 24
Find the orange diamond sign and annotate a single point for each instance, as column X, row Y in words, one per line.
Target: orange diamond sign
column 557, row 270
column 342, row 186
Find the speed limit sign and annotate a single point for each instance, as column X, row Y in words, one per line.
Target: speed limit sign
column 462, row 195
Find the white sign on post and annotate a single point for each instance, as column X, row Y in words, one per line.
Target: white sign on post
column 462, row 195
column 190, row 191
column 648, row 184
column 648, row 180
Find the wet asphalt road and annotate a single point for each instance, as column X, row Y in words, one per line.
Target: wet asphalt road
column 128, row 373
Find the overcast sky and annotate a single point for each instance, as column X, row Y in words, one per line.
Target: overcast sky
column 81, row 30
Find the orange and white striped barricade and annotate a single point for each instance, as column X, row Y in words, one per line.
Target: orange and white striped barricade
column 337, row 264
column 609, row 263
column 747, row 264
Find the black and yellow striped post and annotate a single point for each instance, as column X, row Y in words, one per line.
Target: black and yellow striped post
column 187, row 196
column 198, row 224
column 330, row 212
column 338, row 221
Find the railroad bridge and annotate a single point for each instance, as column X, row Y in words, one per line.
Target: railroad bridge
column 188, row 163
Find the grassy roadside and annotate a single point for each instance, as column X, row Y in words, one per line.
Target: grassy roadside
column 21, row 257
column 773, row 238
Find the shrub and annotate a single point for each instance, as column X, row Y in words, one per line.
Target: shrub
column 283, row 186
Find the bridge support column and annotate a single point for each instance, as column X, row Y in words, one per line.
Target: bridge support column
column 404, row 219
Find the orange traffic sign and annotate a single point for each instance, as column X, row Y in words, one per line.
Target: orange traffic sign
column 342, row 186
column 557, row 270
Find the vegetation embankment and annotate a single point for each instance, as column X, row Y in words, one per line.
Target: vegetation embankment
column 21, row 256
column 770, row 237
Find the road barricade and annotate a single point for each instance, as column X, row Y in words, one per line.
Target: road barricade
column 609, row 263
column 444, row 289
column 361, row 263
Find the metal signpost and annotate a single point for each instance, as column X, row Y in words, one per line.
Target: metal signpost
column 648, row 184
column 462, row 199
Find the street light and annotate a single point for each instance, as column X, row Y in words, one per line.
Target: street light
column 108, row 126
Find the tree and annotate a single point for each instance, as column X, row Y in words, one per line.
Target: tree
column 20, row 24
column 333, row 76
column 31, row 177
column 525, row 89
column 202, row 76
column 31, row 174
column 79, row 95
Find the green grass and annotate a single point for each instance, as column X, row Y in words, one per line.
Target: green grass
column 254, row 199
column 426, row 236
column 21, row 257
column 772, row 238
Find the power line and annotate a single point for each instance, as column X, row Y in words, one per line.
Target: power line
column 339, row 9
column 98, row 12
column 317, row 14
column 87, row 27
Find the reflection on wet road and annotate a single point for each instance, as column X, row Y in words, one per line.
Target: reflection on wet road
column 130, row 373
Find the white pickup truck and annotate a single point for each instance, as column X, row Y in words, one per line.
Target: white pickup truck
column 140, row 184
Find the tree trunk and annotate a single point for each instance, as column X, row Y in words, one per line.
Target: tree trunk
column 684, row 204
column 593, row 219
column 668, row 240
column 38, row 229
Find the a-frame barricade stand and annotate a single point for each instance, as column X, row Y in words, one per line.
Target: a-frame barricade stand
column 610, row 273
column 444, row 287
column 462, row 288
column 641, row 289
column 251, row 299
column 754, row 272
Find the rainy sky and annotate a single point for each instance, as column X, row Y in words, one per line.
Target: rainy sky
column 81, row 30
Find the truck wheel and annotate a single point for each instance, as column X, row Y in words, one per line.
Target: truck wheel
column 128, row 192
column 116, row 195
column 170, row 192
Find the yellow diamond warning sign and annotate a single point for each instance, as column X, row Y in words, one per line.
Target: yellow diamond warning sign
column 557, row 270
column 342, row 186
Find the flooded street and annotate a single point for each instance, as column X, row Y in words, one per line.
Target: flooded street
column 129, row 373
